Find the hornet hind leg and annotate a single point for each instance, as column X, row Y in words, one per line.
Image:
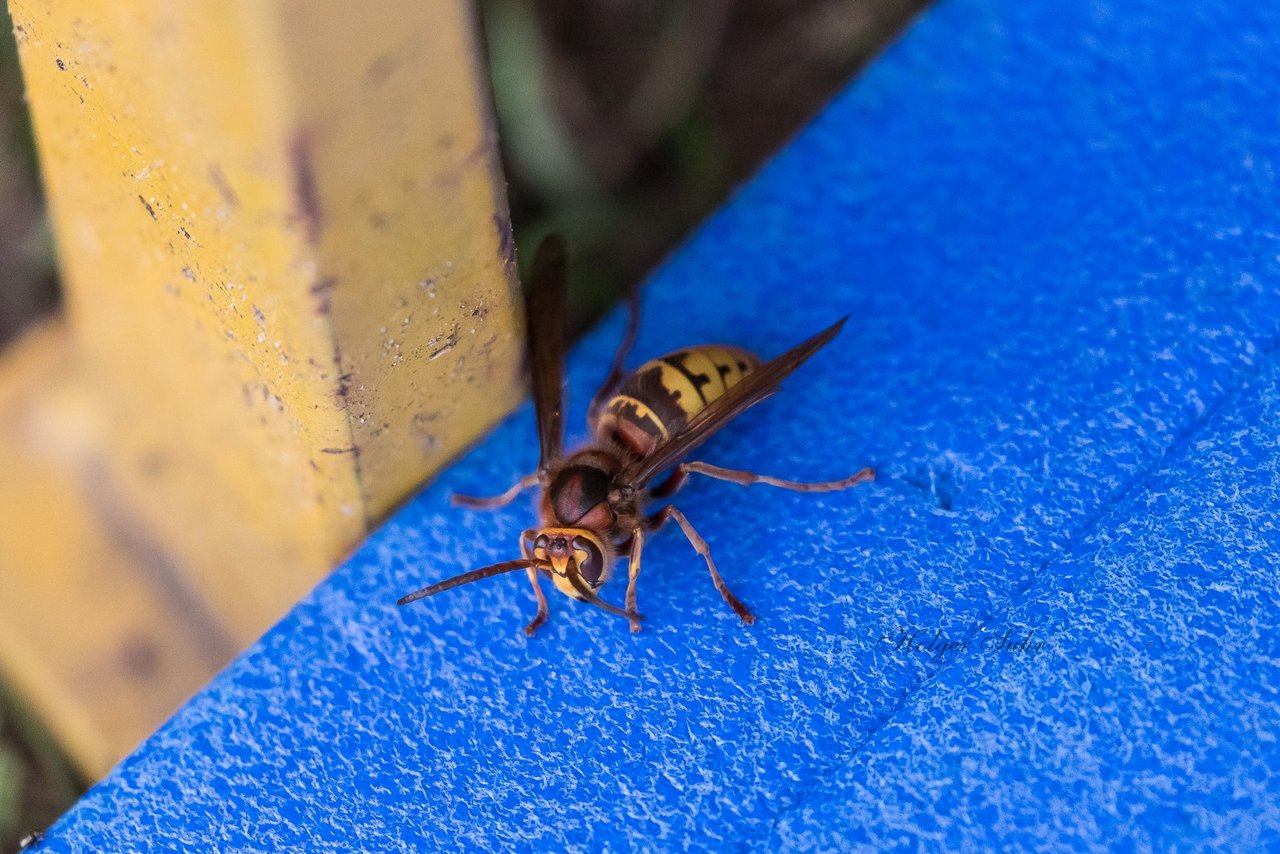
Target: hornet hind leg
column 746, row 478
column 610, row 384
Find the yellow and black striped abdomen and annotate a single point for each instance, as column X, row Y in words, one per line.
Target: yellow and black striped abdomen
column 663, row 394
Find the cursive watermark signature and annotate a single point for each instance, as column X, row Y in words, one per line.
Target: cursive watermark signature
column 933, row 643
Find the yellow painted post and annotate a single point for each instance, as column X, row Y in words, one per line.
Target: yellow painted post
column 291, row 297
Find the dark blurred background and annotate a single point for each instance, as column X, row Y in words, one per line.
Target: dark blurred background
column 28, row 283
column 624, row 123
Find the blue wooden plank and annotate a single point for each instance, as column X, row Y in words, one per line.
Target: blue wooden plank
column 1051, row 226
column 1135, row 702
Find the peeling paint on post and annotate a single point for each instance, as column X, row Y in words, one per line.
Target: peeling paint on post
column 287, row 297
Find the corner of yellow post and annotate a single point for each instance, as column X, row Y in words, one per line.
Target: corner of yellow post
column 291, row 297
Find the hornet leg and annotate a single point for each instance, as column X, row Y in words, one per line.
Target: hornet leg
column 668, row 487
column 615, row 374
column 633, row 572
column 701, row 547
column 491, row 503
column 746, row 478
column 541, row 616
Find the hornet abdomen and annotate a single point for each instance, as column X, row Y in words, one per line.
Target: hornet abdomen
column 663, row 394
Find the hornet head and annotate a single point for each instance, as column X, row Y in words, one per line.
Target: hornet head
column 577, row 551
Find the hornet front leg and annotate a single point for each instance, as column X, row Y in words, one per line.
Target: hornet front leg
column 541, row 616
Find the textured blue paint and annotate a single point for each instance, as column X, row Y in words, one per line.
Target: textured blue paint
column 1151, row 713
column 1054, row 227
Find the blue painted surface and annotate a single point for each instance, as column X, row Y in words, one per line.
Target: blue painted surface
column 1054, row 228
